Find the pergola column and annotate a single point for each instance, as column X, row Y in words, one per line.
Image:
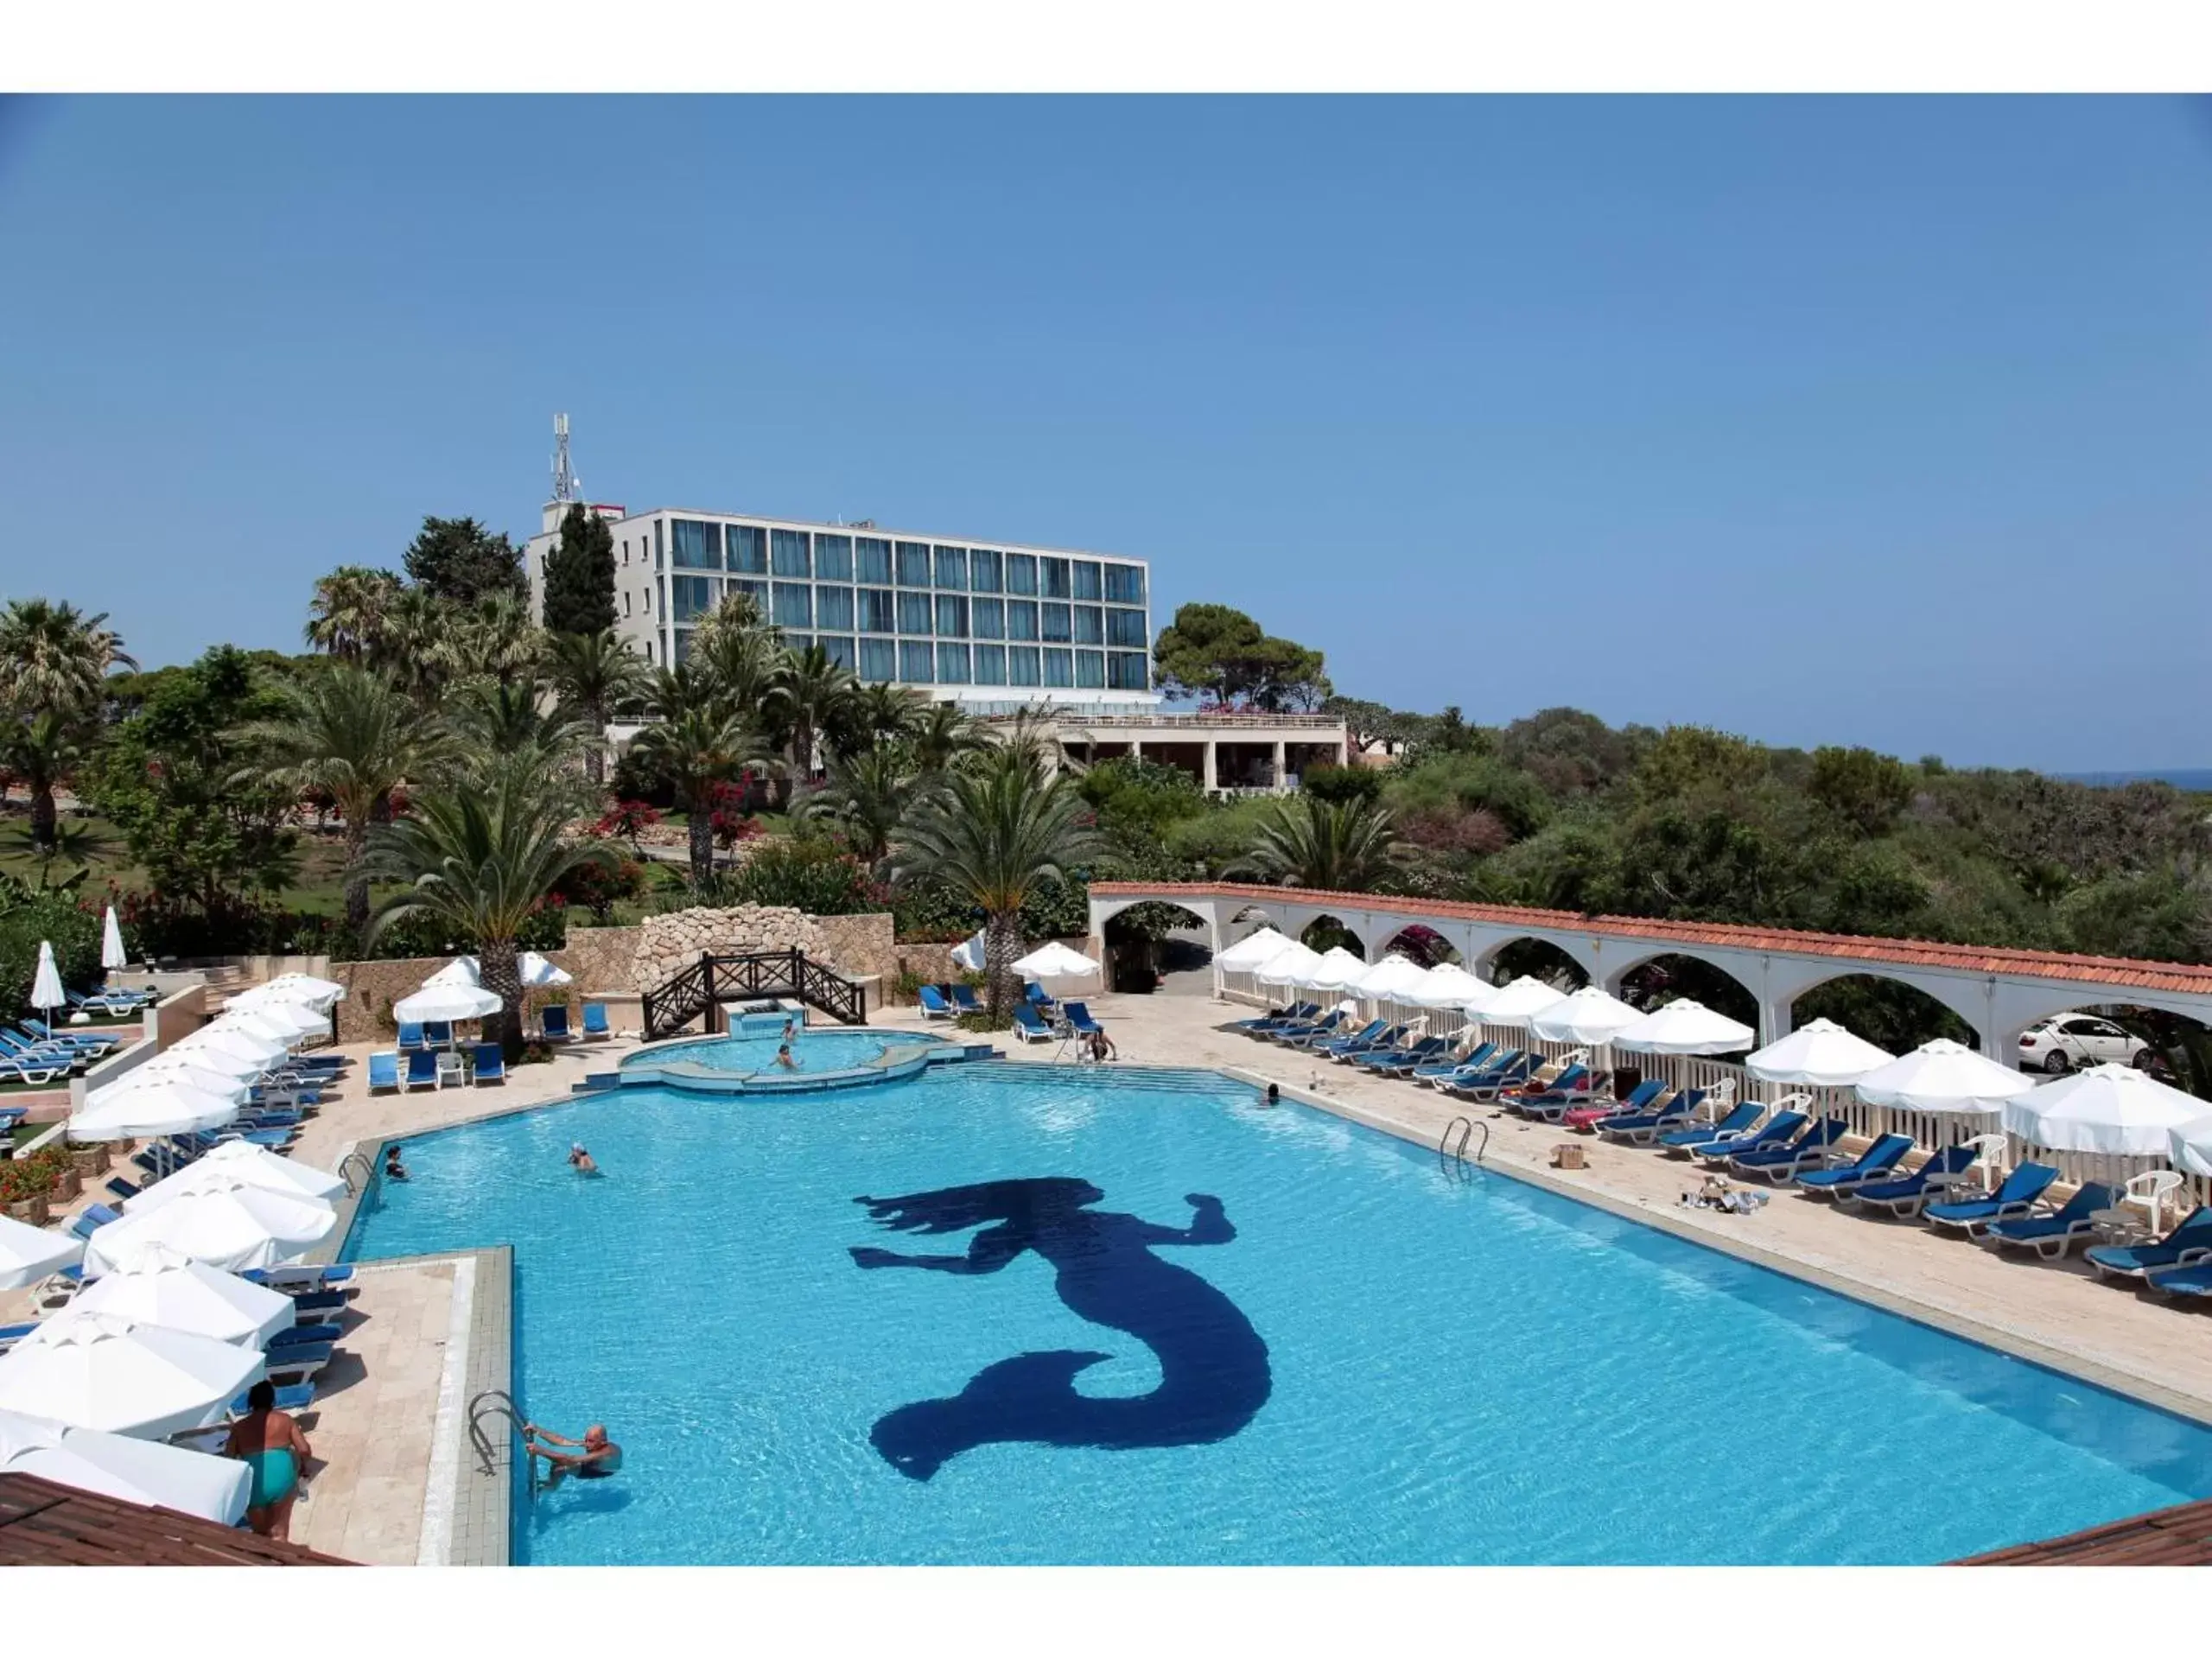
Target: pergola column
column 1282, row 780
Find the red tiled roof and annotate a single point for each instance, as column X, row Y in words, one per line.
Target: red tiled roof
column 2187, row 978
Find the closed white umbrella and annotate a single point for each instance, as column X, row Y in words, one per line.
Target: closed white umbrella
column 1448, row 985
column 27, row 1254
column 1249, row 952
column 2188, row 1146
column 243, row 1161
column 1393, row 979
column 47, row 994
column 1053, row 960
column 1944, row 1076
column 1819, row 1055
column 1513, row 1005
column 447, row 1002
column 95, row 1370
column 234, row 1044
column 1334, row 969
column 159, row 1106
column 112, row 955
column 1589, row 1016
column 156, row 1284
column 117, row 1465
column 1685, row 1026
column 177, row 1067
column 220, row 1220
column 2110, row 1108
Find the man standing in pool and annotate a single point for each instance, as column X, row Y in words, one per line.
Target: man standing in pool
column 595, row 1457
column 784, row 1056
column 580, row 1160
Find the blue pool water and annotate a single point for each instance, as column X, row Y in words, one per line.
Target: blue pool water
column 816, row 1050
column 1383, row 1364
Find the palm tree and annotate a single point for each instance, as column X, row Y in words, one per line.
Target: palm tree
column 867, row 797
column 347, row 617
column 811, row 691
column 700, row 745
column 739, row 653
column 351, row 735
column 415, row 621
column 53, row 657
column 594, row 674
column 492, row 638
column 991, row 835
column 1339, row 846
column 942, row 733
column 41, row 752
column 888, row 712
column 482, row 860
column 492, row 720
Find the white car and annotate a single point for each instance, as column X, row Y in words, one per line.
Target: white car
column 2059, row 1044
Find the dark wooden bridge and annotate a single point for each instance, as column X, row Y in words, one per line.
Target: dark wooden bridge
column 699, row 991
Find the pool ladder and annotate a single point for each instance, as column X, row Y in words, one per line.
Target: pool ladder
column 495, row 1402
column 1452, row 1147
column 346, row 1172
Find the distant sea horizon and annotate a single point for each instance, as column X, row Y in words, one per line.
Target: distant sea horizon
column 2195, row 778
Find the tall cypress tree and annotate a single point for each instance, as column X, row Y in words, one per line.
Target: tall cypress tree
column 580, row 574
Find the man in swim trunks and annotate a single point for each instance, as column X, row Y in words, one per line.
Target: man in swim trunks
column 784, row 1057
column 580, row 1160
column 595, row 1457
column 270, row 1444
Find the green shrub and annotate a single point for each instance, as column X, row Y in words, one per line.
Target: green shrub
column 809, row 876
column 1342, row 783
column 54, row 918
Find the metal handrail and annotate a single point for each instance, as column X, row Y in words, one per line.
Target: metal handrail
column 368, row 1171
column 490, row 1403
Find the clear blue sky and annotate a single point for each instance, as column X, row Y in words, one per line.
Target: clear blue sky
column 1877, row 422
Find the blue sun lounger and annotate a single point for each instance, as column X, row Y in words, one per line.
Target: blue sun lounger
column 31, row 1073
column 1905, row 1196
column 297, row 1397
column 1487, row 1085
column 1296, row 1013
column 2181, row 1247
column 1474, row 1060
column 934, row 1007
column 553, row 1023
column 964, row 1000
column 491, row 1062
column 1307, row 1034
column 421, row 1068
column 2015, row 1196
column 1029, row 1025
column 2195, row 1280
column 1408, row 1055
column 438, row 1033
column 595, row 1027
column 1776, row 1131
column 1080, row 1020
column 1576, row 1086
column 1876, row 1163
column 383, row 1072
column 1739, row 1120
column 2053, row 1237
column 1642, row 1128
column 410, row 1035
column 84, row 1042
column 1784, row 1164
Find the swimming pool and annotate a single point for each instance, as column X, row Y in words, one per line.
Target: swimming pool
column 1384, row 1363
column 816, row 1050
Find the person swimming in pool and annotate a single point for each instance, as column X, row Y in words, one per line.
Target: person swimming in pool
column 594, row 1458
column 580, row 1160
column 393, row 1169
column 270, row 1443
column 784, row 1057
column 790, row 1029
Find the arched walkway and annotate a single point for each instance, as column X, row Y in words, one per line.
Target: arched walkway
column 1419, row 944
column 1325, row 932
column 1667, row 976
column 1538, row 958
column 1887, row 1013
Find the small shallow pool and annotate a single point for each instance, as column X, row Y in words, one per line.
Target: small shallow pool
column 745, row 1057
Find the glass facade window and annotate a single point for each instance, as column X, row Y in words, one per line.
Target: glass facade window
column 952, row 664
column 1020, row 575
column 984, row 570
column 1090, row 626
column 952, row 616
column 913, row 612
column 1055, row 619
column 837, row 649
column 990, row 664
column 793, row 606
column 695, row 545
column 747, row 547
column 787, row 553
column 832, row 606
column 691, row 596
column 1125, row 628
column 1090, row 669
column 1021, row 666
column 1060, row 669
column 833, row 558
column 914, row 662
column 879, row 660
column 873, row 554
column 1022, row 619
column 1125, row 670
column 1125, row 584
column 1086, row 579
column 879, row 614
column 988, row 617
column 658, row 562
column 755, row 591
column 798, row 642
column 683, row 653
column 1055, row 573
column 952, row 568
column 913, row 564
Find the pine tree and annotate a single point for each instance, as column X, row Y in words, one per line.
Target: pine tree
column 580, row 574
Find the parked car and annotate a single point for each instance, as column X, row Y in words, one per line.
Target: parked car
column 2060, row 1044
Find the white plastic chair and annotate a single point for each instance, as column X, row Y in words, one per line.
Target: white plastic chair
column 2148, row 1192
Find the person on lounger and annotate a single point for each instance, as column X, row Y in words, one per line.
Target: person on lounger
column 393, row 1169
column 595, row 1456
column 580, row 1160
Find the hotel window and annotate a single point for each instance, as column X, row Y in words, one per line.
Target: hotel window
column 1056, row 578
column 695, row 544
column 626, row 553
column 913, row 612
column 1021, row 665
column 1125, row 670
column 990, row 664
column 1055, row 619
column 952, row 664
column 787, row 553
column 1086, row 579
column 913, row 564
column 952, row 568
column 1090, row 626
column 1059, row 670
column 1020, row 618
column 798, row 642
column 1125, row 628
column 626, row 601
column 1125, row 584
column 914, row 662
column 837, row 649
column 832, row 606
column 794, row 606
column 748, row 545
column 1090, row 669
column 1020, row 575
column 755, row 591
column 690, row 595
column 879, row 660
column 952, row 616
column 877, row 612
column 658, row 552
column 984, row 570
column 988, row 617
column 873, row 554
column 833, row 558
column 682, row 645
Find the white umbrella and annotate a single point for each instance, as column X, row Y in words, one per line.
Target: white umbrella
column 1589, row 1016
column 1512, row 1005
column 219, row 1219
column 177, row 1066
column 160, row 1107
column 1053, row 960
column 2108, row 1108
column 138, row 1472
column 1685, row 1026
column 289, row 1020
column 1943, row 1076
column 300, row 987
column 47, row 994
column 1283, row 966
column 1448, row 985
column 95, row 1370
column 267, row 1026
column 1393, row 979
column 233, row 1043
column 462, row 970
column 1334, row 969
column 27, row 1254
column 969, row 953
column 112, row 955
column 447, row 1002
column 1251, row 951
column 157, row 1284
column 1820, row 1055
column 243, row 1161
column 2188, row 1146
column 537, row 973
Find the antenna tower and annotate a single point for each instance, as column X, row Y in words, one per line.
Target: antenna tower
column 565, row 485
